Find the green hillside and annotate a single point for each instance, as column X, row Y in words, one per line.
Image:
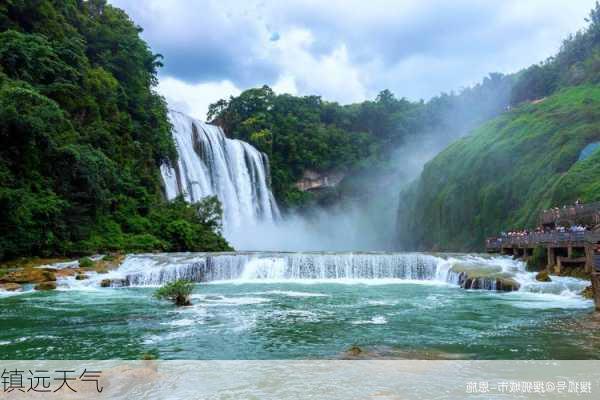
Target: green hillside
column 503, row 174
column 82, row 135
column 509, row 169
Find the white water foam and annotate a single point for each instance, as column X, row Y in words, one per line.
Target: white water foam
column 325, row 268
column 376, row 320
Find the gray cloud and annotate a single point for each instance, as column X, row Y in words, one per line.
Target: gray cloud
column 348, row 50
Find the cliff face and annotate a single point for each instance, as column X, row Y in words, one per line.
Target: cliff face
column 502, row 175
column 313, row 180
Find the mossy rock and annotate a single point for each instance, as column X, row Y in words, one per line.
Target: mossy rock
column 86, row 263
column 588, row 292
column 543, row 276
column 30, row 275
column 45, row 286
column 11, row 287
column 81, row 277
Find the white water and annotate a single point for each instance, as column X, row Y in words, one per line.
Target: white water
column 211, row 164
column 347, row 268
column 339, row 268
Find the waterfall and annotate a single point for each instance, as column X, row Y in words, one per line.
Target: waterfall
column 465, row 271
column 211, row 164
column 144, row 270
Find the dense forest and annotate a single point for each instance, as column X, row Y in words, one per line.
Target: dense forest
column 300, row 133
column 531, row 158
column 82, row 134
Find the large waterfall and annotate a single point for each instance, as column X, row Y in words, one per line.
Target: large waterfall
column 211, row 164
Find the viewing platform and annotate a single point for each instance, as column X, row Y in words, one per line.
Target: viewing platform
column 570, row 236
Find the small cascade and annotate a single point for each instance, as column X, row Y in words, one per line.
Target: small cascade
column 210, row 164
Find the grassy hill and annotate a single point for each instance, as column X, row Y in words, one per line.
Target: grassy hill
column 502, row 175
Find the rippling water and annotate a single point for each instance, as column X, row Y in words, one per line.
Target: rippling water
column 260, row 315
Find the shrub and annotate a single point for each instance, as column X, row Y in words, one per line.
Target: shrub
column 86, row 262
column 178, row 292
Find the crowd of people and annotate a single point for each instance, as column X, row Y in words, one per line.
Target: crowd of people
column 552, row 223
column 541, row 229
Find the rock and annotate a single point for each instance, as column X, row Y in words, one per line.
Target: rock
column 588, row 292
column 11, row 287
column 543, row 276
column 354, row 351
column 81, row 277
column 30, row 275
column 113, row 283
column 46, row 286
column 49, row 275
column 507, row 285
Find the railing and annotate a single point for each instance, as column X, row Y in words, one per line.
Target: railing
column 543, row 238
column 572, row 213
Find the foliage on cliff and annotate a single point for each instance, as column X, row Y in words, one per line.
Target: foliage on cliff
column 505, row 173
column 300, row 133
column 501, row 176
column 82, row 134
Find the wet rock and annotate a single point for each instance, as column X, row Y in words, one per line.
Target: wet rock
column 507, row 285
column 588, row 292
column 81, row 277
column 51, row 285
column 543, row 276
column 486, row 279
column 113, row 283
column 11, row 287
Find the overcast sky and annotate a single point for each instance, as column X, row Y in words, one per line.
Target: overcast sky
column 345, row 50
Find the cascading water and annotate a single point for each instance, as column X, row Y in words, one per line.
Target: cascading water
column 256, row 267
column 211, row 164
column 466, row 271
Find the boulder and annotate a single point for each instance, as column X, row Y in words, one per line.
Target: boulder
column 81, row 277
column 543, row 276
column 30, row 275
column 588, row 292
column 11, row 287
column 113, row 283
column 485, row 278
column 507, row 285
column 51, row 285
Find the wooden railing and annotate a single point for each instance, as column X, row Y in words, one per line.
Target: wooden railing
column 533, row 239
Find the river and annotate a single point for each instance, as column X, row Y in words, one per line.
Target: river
column 301, row 306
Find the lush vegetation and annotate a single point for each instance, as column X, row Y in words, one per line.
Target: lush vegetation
column 505, row 173
column 508, row 170
column 82, row 133
column 302, row 133
column 178, row 292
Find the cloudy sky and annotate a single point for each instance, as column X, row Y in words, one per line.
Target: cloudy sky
column 345, row 50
